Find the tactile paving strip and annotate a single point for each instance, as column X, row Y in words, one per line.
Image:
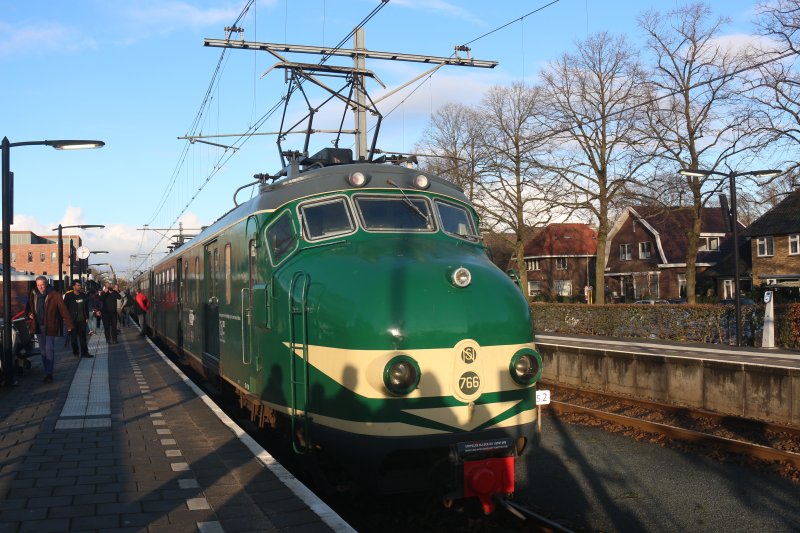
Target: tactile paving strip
column 88, row 402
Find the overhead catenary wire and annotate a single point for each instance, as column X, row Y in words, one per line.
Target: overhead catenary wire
column 227, row 154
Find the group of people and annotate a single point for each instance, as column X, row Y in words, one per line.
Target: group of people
column 48, row 310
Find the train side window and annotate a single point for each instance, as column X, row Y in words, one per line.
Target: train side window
column 227, row 267
column 197, row 280
column 281, row 239
column 326, row 219
column 456, row 221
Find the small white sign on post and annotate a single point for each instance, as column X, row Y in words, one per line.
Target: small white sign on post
column 768, row 335
column 542, row 397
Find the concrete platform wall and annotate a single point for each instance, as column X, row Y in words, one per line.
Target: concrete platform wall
column 769, row 394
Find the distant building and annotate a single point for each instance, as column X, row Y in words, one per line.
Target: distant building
column 775, row 244
column 560, row 260
column 38, row 254
column 647, row 249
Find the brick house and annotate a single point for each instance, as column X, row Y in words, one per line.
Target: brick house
column 38, row 254
column 560, row 260
column 646, row 254
column 775, row 244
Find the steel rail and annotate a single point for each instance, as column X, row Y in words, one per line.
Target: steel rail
column 729, row 445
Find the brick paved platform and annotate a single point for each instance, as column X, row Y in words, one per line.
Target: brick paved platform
column 123, row 442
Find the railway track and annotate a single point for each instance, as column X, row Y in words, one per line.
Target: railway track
column 756, row 430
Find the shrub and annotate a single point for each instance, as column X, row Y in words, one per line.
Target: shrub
column 712, row 323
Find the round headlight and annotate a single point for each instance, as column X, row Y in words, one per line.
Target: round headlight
column 526, row 366
column 357, row 179
column 421, row 181
column 401, row 375
column 461, row 277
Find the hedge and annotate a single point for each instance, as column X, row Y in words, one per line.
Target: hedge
column 710, row 323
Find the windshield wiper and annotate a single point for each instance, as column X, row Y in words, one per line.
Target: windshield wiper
column 410, row 204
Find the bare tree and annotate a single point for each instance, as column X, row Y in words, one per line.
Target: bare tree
column 776, row 87
column 510, row 194
column 594, row 108
column 454, row 140
column 697, row 119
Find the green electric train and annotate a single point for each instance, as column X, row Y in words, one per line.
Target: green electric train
column 353, row 307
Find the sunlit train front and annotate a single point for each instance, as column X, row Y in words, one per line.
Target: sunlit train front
column 413, row 358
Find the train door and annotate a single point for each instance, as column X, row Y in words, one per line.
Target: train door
column 211, row 307
column 179, row 285
column 247, row 295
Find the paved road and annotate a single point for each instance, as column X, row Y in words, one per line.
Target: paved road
column 603, row 481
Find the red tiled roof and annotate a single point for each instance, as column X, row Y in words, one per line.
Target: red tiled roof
column 563, row 240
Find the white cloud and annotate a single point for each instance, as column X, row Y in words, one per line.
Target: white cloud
column 156, row 17
column 439, row 6
column 41, row 38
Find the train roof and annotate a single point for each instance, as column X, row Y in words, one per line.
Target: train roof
column 328, row 179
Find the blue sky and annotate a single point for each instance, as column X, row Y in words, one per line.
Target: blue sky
column 134, row 74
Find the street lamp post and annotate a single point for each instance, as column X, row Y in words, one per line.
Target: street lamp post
column 8, row 199
column 60, row 228
column 109, row 265
column 734, row 222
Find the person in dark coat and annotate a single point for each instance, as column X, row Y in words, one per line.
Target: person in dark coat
column 108, row 308
column 77, row 303
column 46, row 309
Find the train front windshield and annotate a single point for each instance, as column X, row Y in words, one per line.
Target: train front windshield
column 395, row 213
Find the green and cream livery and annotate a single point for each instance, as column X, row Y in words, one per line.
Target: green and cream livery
column 354, row 307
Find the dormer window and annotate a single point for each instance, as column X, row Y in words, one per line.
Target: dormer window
column 708, row 244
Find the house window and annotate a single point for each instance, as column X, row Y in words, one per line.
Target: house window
column 765, row 246
column 30, row 257
column 53, row 257
column 645, row 249
column 625, row 253
column 13, row 257
column 41, row 257
column 682, row 285
column 794, row 244
column 708, row 244
column 562, row 287
column 532, row 264
column 534, row 288
column 561, row 263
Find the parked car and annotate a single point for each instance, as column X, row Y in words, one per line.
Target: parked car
column 677, row 300
column 742, row 301
column 651, row 302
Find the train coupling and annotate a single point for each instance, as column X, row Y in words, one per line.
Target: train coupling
column 486, row 469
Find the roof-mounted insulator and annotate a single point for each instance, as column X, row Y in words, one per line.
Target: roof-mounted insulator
column 234, row 29
column 463, row 48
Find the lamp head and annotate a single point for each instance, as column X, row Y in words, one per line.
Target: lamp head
column 695, row 173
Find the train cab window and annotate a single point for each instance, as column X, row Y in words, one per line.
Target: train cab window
column 395, row 213
column 456, row 221
column 326, row 219
column 281, row 238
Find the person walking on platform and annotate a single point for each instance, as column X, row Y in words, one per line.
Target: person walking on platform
column 127, row 302
column 108, row 307
column 94, row 309
column 77, row 303
column 142, row 306
column 45, row 308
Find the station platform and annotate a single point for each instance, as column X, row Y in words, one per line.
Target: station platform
column 754, row 383
column 124, row 441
